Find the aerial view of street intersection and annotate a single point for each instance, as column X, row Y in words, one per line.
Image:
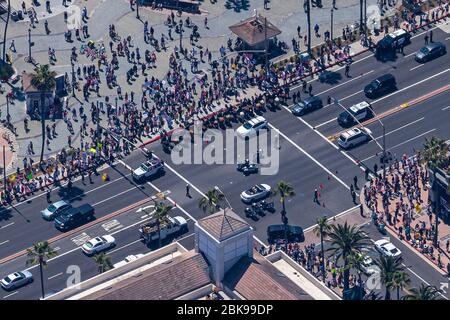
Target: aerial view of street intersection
column 225, row 150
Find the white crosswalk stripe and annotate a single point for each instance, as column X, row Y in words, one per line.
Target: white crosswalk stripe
column 80, row 239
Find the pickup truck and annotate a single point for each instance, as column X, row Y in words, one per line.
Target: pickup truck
column 74, row 217
column 148, row 169
column 149, row 231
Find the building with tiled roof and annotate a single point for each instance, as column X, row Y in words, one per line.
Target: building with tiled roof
column 255, row 30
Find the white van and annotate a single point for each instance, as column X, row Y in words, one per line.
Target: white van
column 353, row 137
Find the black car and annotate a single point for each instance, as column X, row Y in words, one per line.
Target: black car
column 308, row 105
column 392, row 41
column 381, row 85
column 74, row 217
column 276, row 232
column 430, row 52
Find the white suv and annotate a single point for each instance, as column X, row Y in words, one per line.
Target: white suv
column 252, row 127
column 354, row 137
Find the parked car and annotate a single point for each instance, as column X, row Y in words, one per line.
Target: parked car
column 55, row 209
column 381, row 85
column 255, row 193
column 98, row 244
column 387, row 248
column 308, row 105
column 148, row 169
column 251, row 127
column 354, row 137
column 16, row 280
column 431, row 51
column 74, row 217
column 356, row 113
column 276, row 232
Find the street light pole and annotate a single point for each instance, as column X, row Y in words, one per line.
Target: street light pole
column 73, row 78
column 266, row 46
column 137, row 9
column 226, row 199
column 384, row 152
column 308, row 15
column 331, row 35
column 29, row 45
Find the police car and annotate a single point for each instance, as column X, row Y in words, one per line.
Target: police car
column 360, row 111
column 354, row 137
column 394, row 40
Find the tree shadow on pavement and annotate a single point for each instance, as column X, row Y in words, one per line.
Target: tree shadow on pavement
column 237, row 5
column 5, row 214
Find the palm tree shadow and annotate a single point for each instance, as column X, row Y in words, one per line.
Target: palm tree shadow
column 237, row 5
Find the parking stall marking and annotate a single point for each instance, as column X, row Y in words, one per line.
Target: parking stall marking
column 7, row 225
column 110, row 225
column 80, row 239
column 56, row 275
column 11, row 294
column 4, row 242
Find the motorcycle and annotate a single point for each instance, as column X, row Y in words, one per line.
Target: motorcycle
column 257, row 209
column 249, row 213
column 268, row 206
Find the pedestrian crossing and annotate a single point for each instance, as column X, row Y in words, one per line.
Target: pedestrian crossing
column 110, row 225
column 80, row 239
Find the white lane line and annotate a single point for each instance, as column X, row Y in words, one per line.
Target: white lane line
column 310, row 157
column 125, row 246
column 395, row 92
column 402, row 127
column 11, row 294
column 63, row 184
column 448, row 38
column 334, row 217
column 188, row 236
column 326, row 122
column 7, row 225
column 445, row 108
column 420, row 65
column 344, row 83
column 335, row 70
column 345, row 98
column 4, row 242
column 190, row 184
column 409, row 55
column 56, row 275
column 420, row 278
column 402, row 143
column 114, row 196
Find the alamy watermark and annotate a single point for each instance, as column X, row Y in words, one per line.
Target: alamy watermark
column 215, row 146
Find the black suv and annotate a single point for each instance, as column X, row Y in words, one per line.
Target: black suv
column 393, row 41
column 276, row 232
column 74, row 217
column 381, row 85
column 308, row 105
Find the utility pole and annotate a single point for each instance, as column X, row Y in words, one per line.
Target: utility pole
column 137, row 9
column 266, row 46
column 361, row 15
column 384, row 153
column 8, row 116
column 331, row 33
column 181, row 35
column 73, row 78
column 6, row 30
column 4, row 169
column 307, row 7
column 365, row 19
column 29, row 46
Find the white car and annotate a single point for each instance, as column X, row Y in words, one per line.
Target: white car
column 368, row 266
column 255, row 193
column 252, row 127
column 98, row 244
column 148, row 169
column 16, row 279
column 55, row 209
column 387, row 248
column 128, row 259
column 354, row 137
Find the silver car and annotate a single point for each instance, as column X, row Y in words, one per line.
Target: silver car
column 55, row 209
column 16, row 280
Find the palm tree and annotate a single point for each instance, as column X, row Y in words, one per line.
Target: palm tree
column 6, row 30
column 37, row 254
column 400, row 280
column 161, row 214
column 211, row 201
column 44, row 80
column 103, row 262
column 424, row 293
column 356, row 261
column 321, row 231
column 286, row 191
column 346, row 241
column 388, row 267
column 434, row 154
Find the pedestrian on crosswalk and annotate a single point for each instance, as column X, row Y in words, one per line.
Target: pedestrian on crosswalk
column 316, row 196
column 188, row 191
